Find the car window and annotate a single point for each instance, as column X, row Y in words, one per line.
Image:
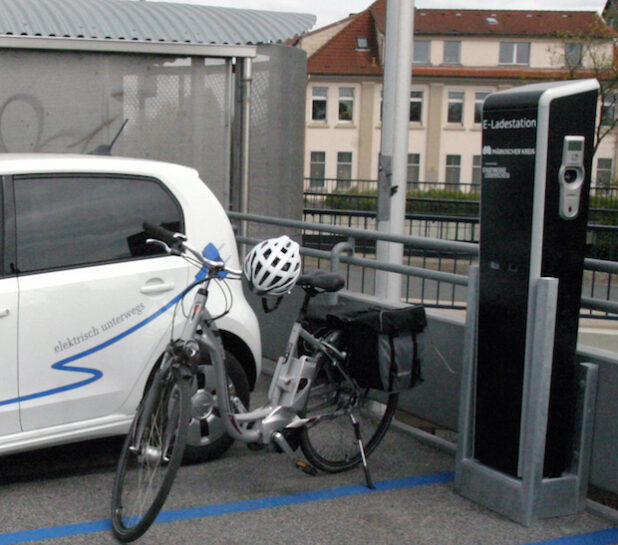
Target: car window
column 67, row 221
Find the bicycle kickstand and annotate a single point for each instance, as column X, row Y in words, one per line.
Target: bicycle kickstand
column 362, row 452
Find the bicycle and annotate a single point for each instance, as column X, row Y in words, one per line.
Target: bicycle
column 313, row 403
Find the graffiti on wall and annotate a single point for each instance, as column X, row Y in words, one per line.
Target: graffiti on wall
column 31, row 125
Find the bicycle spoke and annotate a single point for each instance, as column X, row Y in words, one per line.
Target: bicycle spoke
column 146, row 470
column 329, row 441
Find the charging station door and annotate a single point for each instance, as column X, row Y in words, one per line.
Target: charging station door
column 527, row 232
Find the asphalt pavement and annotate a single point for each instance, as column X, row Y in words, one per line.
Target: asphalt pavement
column 62, row 495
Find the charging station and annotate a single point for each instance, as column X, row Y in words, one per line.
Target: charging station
column 525, row 403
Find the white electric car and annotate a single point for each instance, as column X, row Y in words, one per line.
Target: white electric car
column 86, row 306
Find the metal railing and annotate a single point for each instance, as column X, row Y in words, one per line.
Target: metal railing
column 603, row 195
column 369, row 186
column 436, row 270
column 450, row 211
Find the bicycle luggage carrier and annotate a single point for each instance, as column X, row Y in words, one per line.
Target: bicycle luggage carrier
column 384, row 346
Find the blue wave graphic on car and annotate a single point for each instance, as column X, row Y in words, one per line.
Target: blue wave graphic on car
column 95, row 374
column 210, row 251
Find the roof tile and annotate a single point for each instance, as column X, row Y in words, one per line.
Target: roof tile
column 340, row 56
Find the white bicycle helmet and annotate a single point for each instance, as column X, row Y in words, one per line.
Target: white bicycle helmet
column 273, row 266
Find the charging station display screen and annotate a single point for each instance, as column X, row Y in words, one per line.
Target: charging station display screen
column 576, row 145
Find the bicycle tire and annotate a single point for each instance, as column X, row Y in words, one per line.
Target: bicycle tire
column 145, row 474
column 330, row 443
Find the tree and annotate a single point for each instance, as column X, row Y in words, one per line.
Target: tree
column 591, row 53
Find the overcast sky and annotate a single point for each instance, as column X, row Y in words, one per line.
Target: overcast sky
column 329, row 11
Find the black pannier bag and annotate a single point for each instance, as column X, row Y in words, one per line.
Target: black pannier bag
column 385, row 346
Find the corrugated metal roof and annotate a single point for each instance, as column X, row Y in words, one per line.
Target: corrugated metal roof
column 148, row 21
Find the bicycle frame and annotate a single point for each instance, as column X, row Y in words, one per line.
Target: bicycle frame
column 290, row 384
column 288, row 389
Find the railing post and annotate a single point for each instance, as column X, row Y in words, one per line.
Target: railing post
column 335, row 260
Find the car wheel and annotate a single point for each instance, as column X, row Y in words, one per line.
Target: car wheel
column 207, row 438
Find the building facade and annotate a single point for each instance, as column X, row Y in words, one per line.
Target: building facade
column 459, row 57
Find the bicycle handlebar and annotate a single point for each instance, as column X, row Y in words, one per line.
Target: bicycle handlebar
column 162, row 234
column 177, row 242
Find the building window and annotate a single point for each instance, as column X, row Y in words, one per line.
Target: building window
column 344, row 169
column 317, row 169
column 362, row 44
column 514, row 53
column 421, row 51
column 453, row 169
column 455, row 106
column 608, row 110
column 318, row 104
column 573, row 55
column 346, row 103
column 604, row 172
column 479, row 98
column 414, row 170
column 416, row 106
column 452, row 52
column 476, row 169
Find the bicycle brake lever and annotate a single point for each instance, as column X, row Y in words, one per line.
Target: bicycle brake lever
column 166, row 248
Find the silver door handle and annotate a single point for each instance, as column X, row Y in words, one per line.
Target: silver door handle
column 149, row 289
column 4, row 312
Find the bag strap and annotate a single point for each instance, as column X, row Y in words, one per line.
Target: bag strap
column 391, row 372
column 268, row 310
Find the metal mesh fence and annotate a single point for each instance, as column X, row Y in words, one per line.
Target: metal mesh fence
column 179, row 109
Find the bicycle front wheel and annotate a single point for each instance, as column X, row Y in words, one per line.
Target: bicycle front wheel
column 329, row 442
column 150, row 457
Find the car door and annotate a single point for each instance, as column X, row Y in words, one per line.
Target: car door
column 9, row 399
column 92, row 293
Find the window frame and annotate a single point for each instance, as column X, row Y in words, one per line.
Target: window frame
column 344, row 183
column 609, row 170
column 478, row 105
column 413, row 184
column 477, row 170
column 416, row 97
column 343, row 100
column 454, row 101
column 362, row 43
column 456, row 60
column 316, row 182
column 426, row 59
column 451, row 168
column 568, row 55
column 514, row 56
column 608, row 110
column 317, row 98
column 13, row 180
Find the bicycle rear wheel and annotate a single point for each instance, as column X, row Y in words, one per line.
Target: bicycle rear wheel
column 148, row 465
column 330, row 443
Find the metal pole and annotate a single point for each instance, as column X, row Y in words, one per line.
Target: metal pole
column 229, row 128
column 247, row 77
column 394, row 146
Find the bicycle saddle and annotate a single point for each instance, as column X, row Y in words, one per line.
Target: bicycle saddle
column 321, row 280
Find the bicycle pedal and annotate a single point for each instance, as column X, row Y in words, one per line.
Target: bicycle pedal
column 306, row 468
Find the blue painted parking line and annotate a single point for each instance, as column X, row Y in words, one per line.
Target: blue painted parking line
column 69, row 530
column 300, row 497
column 602, row 537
